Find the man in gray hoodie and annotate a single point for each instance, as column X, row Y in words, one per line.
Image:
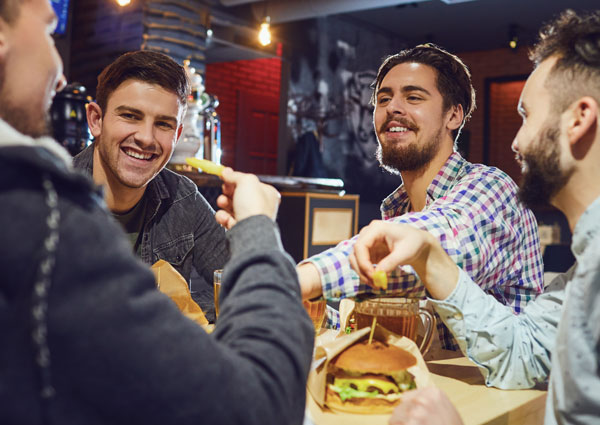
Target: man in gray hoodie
column 86, row 336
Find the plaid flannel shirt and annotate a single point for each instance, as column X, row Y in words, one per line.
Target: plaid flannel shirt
column 474, row 211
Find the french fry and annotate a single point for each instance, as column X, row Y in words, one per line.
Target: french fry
column 380, row 279
column 206, row 166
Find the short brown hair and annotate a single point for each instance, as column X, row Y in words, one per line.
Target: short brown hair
column 453, row 76
column 575, row 41
column 146, row 66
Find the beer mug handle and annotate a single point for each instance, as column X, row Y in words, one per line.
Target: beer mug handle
column 429, row 323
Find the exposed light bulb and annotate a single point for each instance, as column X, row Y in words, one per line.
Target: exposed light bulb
column 123, row 3
column 264, row 35
column 513, row 36
column 209, row 33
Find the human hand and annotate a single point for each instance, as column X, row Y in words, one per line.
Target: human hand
column 244, row 196
column 390, row 245
column 427, row 406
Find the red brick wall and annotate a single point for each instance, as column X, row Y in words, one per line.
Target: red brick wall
column 490, row 64
column 226, row 80
column 504, row 122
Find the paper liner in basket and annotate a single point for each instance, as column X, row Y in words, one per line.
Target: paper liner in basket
column 327, row 350
column 172, row 284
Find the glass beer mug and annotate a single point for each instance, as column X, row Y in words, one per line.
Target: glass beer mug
column 397, row 315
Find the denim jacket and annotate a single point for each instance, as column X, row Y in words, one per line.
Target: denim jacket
column 180, row 228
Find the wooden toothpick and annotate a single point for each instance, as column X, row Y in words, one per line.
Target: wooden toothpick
column 372, row 329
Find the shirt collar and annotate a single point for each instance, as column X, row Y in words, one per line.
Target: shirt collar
column 158, row 186
column 586, row 228
column 398, row 203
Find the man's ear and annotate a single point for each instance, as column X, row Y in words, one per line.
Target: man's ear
column 455, row 117
column 581, row 119
column 93, row 113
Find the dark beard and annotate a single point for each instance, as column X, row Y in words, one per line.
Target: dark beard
column 25, row 121
column 543, row 178
column 409, row 158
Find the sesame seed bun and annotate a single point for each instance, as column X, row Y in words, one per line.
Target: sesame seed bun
column 376, row 357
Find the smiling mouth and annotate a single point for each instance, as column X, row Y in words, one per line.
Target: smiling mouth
column 398, row 125
column 138, row 155
column 398, row 129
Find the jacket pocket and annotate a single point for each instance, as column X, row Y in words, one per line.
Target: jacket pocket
column 175, row 251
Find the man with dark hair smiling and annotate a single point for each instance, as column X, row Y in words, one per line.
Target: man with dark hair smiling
column 557, row 336
column 136, row 121
column 423, row 97
column 86, row 337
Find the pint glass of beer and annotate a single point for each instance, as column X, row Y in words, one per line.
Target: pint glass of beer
column 316, row 309
column 217, row 288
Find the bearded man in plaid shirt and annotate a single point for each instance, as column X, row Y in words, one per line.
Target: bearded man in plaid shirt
column 423, row 97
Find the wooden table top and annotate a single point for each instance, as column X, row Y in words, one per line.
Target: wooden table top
column 477, row 404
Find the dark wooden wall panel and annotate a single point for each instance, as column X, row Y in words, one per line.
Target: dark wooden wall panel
column 102, row 31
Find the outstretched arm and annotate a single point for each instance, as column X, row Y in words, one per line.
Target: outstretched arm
column 130, row 356
column 512, row 351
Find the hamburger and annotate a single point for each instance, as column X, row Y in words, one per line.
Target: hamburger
column 369, row 378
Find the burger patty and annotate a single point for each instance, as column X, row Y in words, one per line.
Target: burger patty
column 402, row 379
column 342, row 374
column 350, row 386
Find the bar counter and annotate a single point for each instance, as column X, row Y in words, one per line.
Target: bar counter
column 281, row 183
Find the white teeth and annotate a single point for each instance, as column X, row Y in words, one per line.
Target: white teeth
column 138, row 155
column 398, row 129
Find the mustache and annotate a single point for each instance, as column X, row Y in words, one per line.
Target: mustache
column 404, row 122
column 519, row 158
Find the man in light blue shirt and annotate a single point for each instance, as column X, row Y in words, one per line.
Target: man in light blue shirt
column 558, row 147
